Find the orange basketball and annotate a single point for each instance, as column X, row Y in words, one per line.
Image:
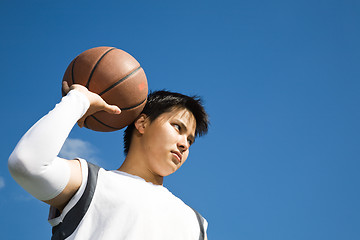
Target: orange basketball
column 117, row 77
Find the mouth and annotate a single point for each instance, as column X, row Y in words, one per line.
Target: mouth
column 177, row 155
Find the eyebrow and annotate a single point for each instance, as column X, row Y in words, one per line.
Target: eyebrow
column 183, row 125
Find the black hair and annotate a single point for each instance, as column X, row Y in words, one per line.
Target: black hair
column 160, row 102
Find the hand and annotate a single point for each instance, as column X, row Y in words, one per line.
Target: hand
column 96, row 102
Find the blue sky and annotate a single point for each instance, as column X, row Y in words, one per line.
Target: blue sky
column 280, row 80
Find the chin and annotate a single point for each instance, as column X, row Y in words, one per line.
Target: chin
column 168, row 171
column 165, row 168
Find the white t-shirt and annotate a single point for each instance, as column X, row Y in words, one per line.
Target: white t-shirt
column 116, row 205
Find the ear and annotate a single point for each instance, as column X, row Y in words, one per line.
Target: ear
column 141, row 123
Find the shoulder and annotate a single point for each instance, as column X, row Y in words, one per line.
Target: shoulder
column 77, row 171
column 79, row 202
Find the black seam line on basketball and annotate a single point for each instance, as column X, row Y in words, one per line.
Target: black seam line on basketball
column 104, row 123
column 92, row 71
column 121, row 80
column 72, row 71
column 85, row 123
column 124, row 109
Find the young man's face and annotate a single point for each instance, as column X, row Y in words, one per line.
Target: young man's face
column 167, row 140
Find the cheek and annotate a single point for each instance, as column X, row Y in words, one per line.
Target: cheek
column 165, row 136
column 157, row 141
column 185, row 156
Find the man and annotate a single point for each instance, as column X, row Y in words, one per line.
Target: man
column 88, row 202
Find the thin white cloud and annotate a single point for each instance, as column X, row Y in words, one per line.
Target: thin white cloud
column 24, row 197
column 74, row 148
column 2, row 182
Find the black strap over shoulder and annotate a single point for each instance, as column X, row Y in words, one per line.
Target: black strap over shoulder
column 201, row 224
column 75, row 215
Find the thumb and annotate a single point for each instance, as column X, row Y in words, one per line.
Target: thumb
column 113, row 109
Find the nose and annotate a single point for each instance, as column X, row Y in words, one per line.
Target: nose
column 183, row 144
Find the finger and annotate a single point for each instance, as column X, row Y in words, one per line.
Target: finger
column 113, row 109
column 65, row 87
column 81, row 122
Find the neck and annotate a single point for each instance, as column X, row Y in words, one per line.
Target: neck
column 133, row 165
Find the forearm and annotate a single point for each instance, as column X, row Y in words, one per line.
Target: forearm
column 34, row 163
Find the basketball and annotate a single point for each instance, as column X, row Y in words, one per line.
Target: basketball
column 117, row 77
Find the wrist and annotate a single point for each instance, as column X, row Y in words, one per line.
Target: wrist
column 79, row 100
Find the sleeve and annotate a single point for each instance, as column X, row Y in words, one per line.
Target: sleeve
column 54, row 216
column 34, row 163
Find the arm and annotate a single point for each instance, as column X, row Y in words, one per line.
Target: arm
column 34, row 163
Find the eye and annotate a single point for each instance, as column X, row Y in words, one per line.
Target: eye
column 177, row 126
